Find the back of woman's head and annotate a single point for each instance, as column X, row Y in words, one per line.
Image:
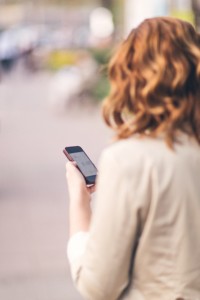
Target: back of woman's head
column 155, row 81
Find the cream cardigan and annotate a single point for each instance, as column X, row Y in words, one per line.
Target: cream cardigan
column 144, row 240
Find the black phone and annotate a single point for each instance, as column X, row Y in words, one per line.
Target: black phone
column 84, row 164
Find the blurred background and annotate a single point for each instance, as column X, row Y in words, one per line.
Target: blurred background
column 53, row 61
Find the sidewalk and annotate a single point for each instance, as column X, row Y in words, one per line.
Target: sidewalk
column 33, row 193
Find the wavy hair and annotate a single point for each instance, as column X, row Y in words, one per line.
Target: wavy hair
column 155, row 81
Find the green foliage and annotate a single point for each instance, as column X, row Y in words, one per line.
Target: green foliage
column 101, row 56
column 101, row 88
column 186, row 15
column 61, row 58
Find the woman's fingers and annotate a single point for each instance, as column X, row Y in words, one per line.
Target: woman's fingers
column 75, row 178
column 92, row 189
column 70, row 165
column 71, row 168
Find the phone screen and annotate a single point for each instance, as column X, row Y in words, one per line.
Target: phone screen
column 84, row 164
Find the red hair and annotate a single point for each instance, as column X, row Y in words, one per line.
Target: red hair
column 155, row 81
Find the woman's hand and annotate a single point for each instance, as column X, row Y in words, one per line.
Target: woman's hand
column 78, row 190
column 80, row 196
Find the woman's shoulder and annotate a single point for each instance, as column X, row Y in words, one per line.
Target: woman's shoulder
column 132, row 154
column 137, row 152
column 136, row 147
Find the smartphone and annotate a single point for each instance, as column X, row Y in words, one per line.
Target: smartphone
column 84, row 164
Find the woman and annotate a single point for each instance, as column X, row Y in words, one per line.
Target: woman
column 143, row 240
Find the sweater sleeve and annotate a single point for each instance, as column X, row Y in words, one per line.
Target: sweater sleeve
column 103, row 271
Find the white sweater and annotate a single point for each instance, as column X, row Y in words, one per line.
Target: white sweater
column 144, row 240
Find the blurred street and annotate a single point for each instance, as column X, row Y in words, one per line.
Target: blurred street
column 33, row 192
